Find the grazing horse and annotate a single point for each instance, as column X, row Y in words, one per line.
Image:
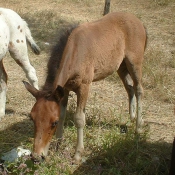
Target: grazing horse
column 13, row 34
column 88, row 53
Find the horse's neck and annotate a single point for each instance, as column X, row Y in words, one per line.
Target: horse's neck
column 62, row 75
column 66, row 69
column 60, row 80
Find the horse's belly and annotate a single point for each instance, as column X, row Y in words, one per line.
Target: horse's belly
column 103, row 72
column 106, row 67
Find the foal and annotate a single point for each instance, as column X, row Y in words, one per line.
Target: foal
column 91, row 52
column 13, row 35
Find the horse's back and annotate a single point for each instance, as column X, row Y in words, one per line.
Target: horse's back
column 14, row 22
column 113, row 28
column 103, row 44
column 10, row 16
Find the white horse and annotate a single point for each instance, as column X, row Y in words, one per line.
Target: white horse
column 14, row 33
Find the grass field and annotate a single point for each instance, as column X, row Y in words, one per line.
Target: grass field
column 108, row 150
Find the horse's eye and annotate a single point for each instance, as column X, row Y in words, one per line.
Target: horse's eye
column 54, row 123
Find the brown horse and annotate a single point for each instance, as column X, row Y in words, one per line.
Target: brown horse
column 88, row 53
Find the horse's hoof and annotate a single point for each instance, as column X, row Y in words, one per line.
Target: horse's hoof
column 142, row 122
column 2, row 116
column 77, row 159
column 139, row 130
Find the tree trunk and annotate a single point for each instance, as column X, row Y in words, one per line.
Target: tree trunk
column 107, row 7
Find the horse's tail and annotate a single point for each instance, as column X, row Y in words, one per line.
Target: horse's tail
column 31, row 41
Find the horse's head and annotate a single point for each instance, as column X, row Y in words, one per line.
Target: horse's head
column 45, row 115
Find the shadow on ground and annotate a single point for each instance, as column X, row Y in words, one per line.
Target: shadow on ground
column 22, row 132
column 16, row 135
column 46, row 31
column 128, row 157
column 124, row 155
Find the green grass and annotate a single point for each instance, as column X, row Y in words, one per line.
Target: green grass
column 111, row 153
column 108, row 150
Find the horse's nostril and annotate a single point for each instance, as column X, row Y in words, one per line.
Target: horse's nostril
column 37, row 158
column 43, row 158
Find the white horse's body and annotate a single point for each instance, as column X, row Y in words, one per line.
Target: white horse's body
column 14, row 34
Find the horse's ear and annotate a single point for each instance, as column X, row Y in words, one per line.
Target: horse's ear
column 31, row 89
column 58, row 93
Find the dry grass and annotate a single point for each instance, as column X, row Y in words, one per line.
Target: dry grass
column 107, row 151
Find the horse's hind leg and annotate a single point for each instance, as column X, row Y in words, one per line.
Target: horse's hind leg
column 18, row 50
column 128, row 83
column 134, row 66
column 3, row 89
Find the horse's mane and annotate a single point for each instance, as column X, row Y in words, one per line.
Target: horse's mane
column 56, row 55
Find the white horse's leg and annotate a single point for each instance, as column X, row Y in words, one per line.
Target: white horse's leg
column 128, row 83
column 3, row 89
column 4, row 40
column 79, row 118
column 18, row 50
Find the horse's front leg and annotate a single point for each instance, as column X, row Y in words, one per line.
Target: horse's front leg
column 3, row 89
column 19, row 52
column 63, row 104
column 79, row 119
